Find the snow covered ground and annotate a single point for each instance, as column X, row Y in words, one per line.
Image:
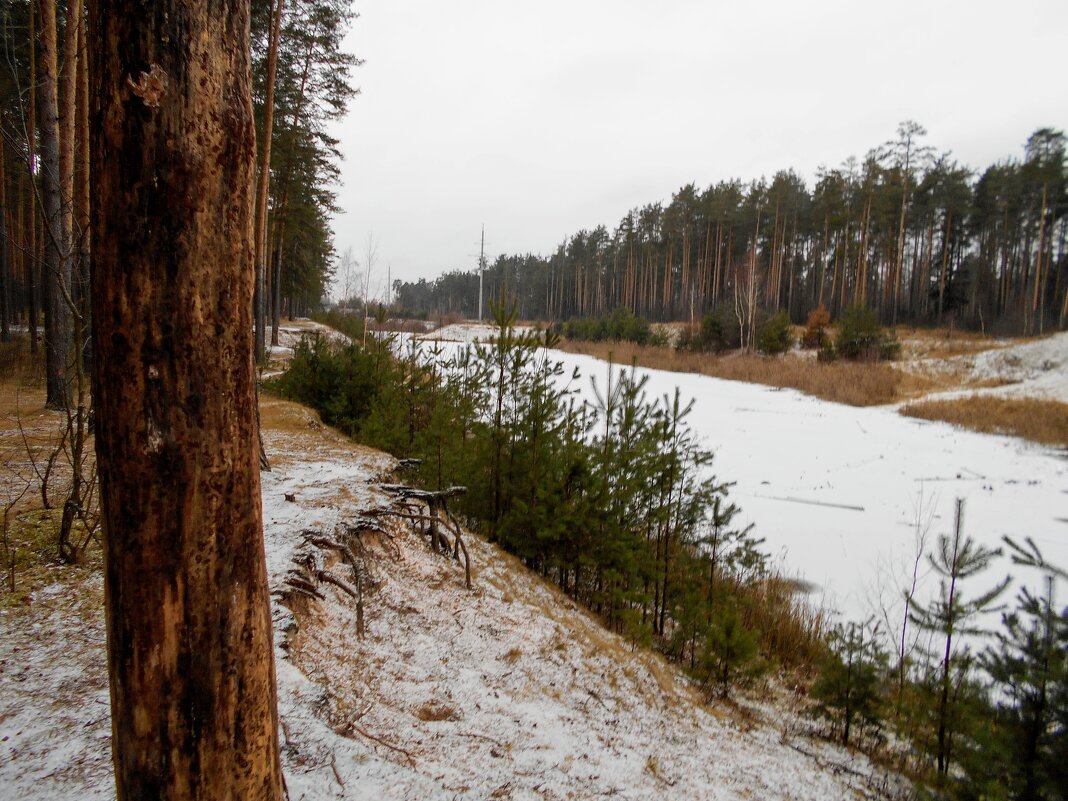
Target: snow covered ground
column 466, row 332
column 505, row 691
column 1032, row 369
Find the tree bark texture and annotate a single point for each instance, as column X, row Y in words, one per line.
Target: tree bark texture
column 190, row 657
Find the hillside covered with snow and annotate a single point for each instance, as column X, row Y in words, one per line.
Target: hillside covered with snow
column 505, row 690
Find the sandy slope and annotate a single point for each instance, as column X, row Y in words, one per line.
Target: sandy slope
column 503, row 691
column 1035, row 368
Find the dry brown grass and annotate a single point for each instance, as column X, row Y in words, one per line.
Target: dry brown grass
column 852, row 383
column 791, row 626
column 1042, row 421
column 29, row 435
column 436, row 710
column 513, row 655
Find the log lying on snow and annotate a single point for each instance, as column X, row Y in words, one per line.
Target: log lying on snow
column 436, row 517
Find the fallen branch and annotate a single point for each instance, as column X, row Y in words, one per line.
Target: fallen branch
column 352, row 726
column 305, row 586
column 437, row 514
column 308, row 593
column 341, row 584
column 789, row 499
column 482, row 737
column 458, row 546
column 333, row 767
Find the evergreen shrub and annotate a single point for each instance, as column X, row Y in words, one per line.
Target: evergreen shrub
column 774, row 335
column 862, row 339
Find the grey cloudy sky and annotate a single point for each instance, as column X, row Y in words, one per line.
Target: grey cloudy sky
column 541, row 118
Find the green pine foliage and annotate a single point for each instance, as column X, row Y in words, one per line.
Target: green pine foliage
column 719, row 331
column 732, row 651
column 622, row 325
column 860, row 337
column 848, row 691
column 774, row 335
column 313, row 91
column 957, row 559
column 916, row 237
column 1022, row 748
column 612, row 502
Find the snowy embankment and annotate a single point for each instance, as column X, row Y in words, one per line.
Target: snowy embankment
column 1033, row 369
column 503, row 691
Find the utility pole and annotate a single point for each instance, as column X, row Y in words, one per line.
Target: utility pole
column 481, row 270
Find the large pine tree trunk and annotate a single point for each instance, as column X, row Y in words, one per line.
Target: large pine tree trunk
column 189, row 626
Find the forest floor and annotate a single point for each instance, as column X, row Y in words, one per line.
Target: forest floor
column 506, row 690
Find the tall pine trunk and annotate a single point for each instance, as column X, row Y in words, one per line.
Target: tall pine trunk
column 263, row 187
column 55, row 269
column 189, row 627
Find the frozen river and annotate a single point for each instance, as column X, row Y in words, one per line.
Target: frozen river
column 835, row 490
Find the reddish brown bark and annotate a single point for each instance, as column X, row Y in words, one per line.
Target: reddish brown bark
column 189, row 627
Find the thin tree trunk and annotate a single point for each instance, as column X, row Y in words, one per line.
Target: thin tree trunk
column 55, row 270
column 944, row 268
column 264, row 184
column 1035, row 308
column 7, row 271
column 81, row 241
column 31, row 150
column 68, row 84
column 189, row 628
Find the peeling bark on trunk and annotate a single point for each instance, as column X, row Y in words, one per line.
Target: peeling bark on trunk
column 189, row 627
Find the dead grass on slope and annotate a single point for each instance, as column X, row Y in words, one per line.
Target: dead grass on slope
column 852, row 383
column 30, row 435
column 1042, row 421
column 791, row 627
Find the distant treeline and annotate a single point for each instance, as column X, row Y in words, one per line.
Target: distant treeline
column 913, row 235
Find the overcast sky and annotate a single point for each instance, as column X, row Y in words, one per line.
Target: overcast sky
column 542, row 118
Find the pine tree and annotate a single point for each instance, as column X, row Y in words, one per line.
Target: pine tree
column 848, row 690
column 958, row 558
column 1028, row 746
column 731, row 650
column 190, row 660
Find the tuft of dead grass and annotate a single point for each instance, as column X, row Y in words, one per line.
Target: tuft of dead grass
column 1037, row 420
column 851, row 383
column 790, row 625
column 436, row 710
column 513, row 655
